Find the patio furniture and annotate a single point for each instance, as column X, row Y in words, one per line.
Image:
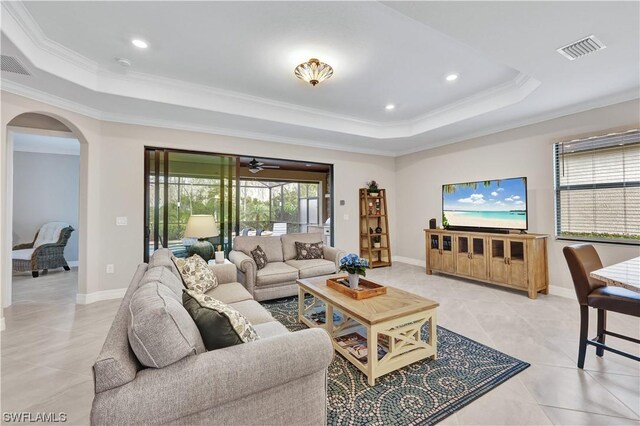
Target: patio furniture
column 279, row 228
column 45, row 252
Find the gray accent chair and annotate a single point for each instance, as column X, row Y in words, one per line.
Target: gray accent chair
column 278, row 379
column 278, row 278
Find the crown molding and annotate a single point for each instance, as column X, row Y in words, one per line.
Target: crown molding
column 51, row 57
column 558, row 113
column 40, row 96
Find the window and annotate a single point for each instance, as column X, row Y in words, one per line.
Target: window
column 597, row 184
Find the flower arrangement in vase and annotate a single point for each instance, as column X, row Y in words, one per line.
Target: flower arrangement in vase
column 354, row 266
column 372, row 188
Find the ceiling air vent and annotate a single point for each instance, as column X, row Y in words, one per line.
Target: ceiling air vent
column 11, row 64
column 582, row 47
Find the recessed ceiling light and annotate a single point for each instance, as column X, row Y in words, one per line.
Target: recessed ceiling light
column 389, row 107
column 139, row 43
column 452, row 77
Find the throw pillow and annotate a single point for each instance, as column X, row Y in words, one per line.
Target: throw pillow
column 160, row 330
column 307, row 251
column 196, row 274
column 220, row 325
column 260, row 257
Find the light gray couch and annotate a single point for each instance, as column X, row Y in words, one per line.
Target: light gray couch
column 278, row 278
column 278, row 379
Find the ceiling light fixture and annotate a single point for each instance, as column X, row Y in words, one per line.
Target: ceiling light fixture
column 139, row 43
column 389, row 107
column 313, row 71
column 452, row 77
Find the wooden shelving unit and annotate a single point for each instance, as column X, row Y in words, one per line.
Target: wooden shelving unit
column 518, row 261
column 373, row 217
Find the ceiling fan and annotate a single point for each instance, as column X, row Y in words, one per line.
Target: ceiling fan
column 256, row 166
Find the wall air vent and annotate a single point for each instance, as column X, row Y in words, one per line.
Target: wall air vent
column 580, row 48
column 11, row 64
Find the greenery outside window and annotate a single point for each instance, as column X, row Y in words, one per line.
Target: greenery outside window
column 597, row 188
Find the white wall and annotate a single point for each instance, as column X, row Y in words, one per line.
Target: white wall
column 45, row 189
column 112, row 158
column 525, row 151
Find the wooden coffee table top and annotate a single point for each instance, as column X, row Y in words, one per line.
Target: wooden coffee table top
column 395, row 304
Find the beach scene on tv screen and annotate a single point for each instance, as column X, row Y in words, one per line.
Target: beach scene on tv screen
column 487, row 204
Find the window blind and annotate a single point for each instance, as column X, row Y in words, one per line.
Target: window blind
column 597, row 188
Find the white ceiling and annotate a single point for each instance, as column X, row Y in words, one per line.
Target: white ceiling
column 227, row 67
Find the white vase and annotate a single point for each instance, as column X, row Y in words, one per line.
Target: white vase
column 354, row 279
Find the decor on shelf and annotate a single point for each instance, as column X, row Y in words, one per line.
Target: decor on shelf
column 374, row 226
column 202, row 227
column 372, row 188
column 313, row 71
column 354, row 266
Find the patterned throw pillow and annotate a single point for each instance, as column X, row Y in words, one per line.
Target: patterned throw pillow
column 260, row 257
column 220, row 325
column 196, row 274
column 307, row 251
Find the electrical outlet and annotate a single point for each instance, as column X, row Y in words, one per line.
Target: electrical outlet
column 110, row 268
column 345, row 216
column 121, row 221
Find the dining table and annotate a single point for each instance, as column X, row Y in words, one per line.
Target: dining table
column 624, row 274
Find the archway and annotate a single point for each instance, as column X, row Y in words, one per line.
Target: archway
column 43, row 123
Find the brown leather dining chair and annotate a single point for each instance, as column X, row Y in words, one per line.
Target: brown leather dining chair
column 582, row 260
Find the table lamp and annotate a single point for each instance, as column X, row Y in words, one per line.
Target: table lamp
column 202, row 227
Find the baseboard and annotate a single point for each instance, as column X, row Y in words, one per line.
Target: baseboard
column 568, row 293
column 73, row 264
column 555, row 290
column 2, row 324
column 97, row 296
column 409, row 260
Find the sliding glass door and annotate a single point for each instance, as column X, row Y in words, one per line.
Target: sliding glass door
column 181, row 183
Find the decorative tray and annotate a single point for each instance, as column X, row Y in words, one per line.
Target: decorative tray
column 366, row 288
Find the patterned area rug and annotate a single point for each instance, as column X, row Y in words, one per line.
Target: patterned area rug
column 423, row 393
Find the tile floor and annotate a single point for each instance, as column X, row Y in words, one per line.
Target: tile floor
column 50, row 344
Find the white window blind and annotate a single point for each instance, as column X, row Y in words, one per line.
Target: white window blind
column 597, row 183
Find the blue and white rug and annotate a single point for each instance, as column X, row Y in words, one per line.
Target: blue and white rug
column 423, row 393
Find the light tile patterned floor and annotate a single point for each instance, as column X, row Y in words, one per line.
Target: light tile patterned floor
column 50, row 344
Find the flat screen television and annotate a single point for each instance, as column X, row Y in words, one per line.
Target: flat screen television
column 499, row 204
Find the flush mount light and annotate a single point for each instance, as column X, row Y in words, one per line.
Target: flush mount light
column 452, row 77
column 124, row 62
column 389, row 107
column 139, row 43
column 313, row 71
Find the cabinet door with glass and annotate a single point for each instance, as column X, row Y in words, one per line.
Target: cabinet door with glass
column 463, row 255
column 498, row 260
column 478, row 258
column 516, row 261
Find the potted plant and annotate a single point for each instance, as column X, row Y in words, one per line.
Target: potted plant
column 354, row 266
column 376, row 241
column 372, row 188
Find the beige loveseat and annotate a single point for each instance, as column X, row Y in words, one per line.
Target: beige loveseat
column 278, row 278
column 280, row 379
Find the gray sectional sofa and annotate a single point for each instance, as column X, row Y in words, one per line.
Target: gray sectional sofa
column 278, row 379
column 278, row 278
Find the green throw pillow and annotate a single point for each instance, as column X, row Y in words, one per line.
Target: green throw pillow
column 219, row 324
